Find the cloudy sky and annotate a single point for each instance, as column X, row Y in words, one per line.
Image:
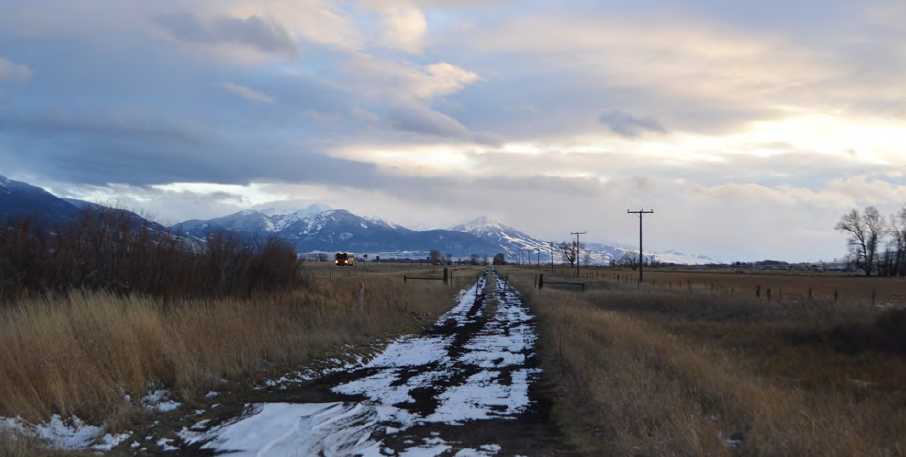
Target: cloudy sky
column 749, row 127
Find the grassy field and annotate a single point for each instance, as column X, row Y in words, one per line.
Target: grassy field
column 791, row 285
column 672, row 371
column 81, row 353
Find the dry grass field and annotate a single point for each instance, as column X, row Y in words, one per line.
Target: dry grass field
column 784, row 285
column 81, row 353
column 652, row 371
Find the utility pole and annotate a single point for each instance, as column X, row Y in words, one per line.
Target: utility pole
column 577, row 250
column 552, row 256
column 641, row 214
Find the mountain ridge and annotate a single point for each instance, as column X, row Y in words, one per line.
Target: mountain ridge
column 320, row 228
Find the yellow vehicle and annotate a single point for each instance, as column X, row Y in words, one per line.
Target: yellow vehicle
column 345, row 259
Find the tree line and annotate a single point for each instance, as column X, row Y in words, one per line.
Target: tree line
column 876, row 245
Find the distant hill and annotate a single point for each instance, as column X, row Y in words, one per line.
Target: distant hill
column 20, row 200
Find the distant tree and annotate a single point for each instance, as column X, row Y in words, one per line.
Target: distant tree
column 473, row 259
column 322, row 257
column 568, row 251
column 499, row 259
column 449, row 259
column 629, row 259
column 866, row 230
column 434, row 257
column 365, row 256
column 897, row 258
column 484, row 260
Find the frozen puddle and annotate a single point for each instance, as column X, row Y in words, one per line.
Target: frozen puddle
column 471, row 366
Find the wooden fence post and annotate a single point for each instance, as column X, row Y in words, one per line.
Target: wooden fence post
column 541, row 281
column 769, row 294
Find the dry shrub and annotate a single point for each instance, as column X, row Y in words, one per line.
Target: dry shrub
column 114, row 250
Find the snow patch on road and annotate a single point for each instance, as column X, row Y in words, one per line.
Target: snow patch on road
column 484, row 377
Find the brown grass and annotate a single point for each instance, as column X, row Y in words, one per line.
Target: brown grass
column 82, row 352
column 784, row 285
column 672, row 372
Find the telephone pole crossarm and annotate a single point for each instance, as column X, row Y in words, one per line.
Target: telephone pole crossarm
column 641, row 214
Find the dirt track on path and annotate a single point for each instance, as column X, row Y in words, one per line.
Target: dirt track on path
column 468, row 386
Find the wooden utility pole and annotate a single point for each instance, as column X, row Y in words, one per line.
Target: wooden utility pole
column 641, row 214
column 552, row 256
column 577, row 250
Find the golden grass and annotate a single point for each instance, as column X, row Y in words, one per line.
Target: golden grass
column 82, row 353
column 661, row 372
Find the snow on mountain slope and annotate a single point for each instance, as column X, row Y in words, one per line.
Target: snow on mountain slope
column 516, row 245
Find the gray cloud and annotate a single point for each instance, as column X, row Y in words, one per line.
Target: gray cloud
column 264, row 35
column 629, row 125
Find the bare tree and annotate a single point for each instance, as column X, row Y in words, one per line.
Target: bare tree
column 898, row 243
column 434, row 257
column 586, row 258
column 865, row 231
column 629, row 259
column 322, row 257
column 473, row 259
column 568, row 251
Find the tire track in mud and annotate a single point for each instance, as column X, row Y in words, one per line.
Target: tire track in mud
column 465, row 387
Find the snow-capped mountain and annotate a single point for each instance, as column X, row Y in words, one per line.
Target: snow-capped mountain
column 316, row 230
column 516, row 245
column 511, row 241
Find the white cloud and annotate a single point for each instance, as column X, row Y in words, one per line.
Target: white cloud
column 13, row 72
column 245, row 92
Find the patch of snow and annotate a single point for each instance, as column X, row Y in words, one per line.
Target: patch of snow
column 158, row 401
column 71, row 434
column 108, row 441
column 164, row 444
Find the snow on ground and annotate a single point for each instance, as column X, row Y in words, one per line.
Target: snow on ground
column 158, row 400
column 474, row 369
column 72, row 433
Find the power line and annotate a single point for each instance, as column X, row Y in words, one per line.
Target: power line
column 577, row 250
column 641, row 214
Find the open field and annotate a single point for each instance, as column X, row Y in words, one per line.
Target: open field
column 784, row 285
column 81, row 353
column 660, row 371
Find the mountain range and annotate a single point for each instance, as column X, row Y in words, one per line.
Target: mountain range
column 319, row 228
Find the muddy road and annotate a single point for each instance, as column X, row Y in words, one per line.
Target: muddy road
column 468, row 386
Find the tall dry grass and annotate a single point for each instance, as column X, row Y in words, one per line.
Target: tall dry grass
column 656, row 372
column 81, row 353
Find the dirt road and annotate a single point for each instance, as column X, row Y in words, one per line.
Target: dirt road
column 466, row 387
